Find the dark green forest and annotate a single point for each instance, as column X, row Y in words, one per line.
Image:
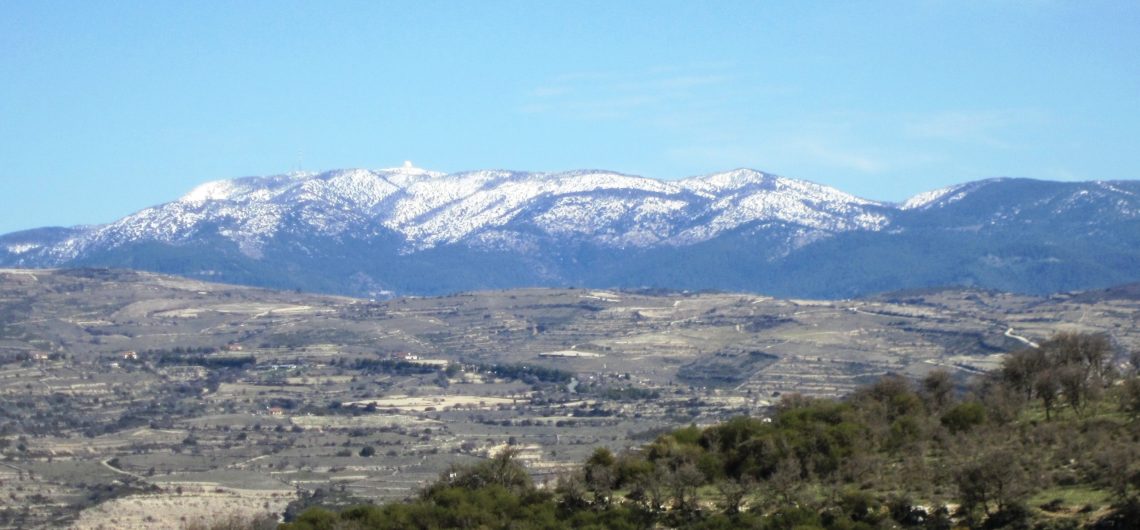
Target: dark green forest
column 1049, row 441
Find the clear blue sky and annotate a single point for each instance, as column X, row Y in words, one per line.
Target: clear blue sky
column 109, row 107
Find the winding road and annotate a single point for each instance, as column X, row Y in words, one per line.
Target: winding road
column 1027, row 342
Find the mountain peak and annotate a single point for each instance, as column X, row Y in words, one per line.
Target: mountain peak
column 540, row 225
column 735, row 178
column 217, row 190
column 427, row 208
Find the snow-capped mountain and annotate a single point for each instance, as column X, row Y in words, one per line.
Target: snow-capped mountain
column 412, row 230
column 483, row 208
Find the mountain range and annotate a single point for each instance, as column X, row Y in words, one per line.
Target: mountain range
column 411, row 231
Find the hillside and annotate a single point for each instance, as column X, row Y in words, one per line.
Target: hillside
column 895, row 454
column 118, row 389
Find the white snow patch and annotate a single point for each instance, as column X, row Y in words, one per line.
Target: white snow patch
column 21, row 248
column 479, row 208
column 211, row 191
column 927, row 198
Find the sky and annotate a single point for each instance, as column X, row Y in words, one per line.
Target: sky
column 109, row 107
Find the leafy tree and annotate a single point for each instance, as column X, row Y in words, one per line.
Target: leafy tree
column 600, row 475
column 964, row 416
column 503, row 470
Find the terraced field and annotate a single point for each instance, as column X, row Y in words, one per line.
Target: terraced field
column 124, row 393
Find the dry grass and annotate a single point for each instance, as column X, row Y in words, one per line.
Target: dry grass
column 200, row 507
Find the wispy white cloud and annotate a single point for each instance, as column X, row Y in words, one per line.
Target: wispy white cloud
column 724, row 115
column 778, row 154
column 823, row 145
column 838, row 156
column 867, row 143
column 990, row 128
column 657, row 93
column 672, row 82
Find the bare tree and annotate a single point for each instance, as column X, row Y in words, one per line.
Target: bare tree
column 683, row 484
column 1020, row 368
column 1046, row 385
column 995, row 478
column 787, row 482
column 1130, row 397
column 937, row 389
column 653, row 487
column 599, row 481
column 571, row 489
column 1074, row 385
column 733, row 493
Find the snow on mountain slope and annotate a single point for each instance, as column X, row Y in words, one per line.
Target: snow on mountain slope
column 581, row 200
column 410, row 230
column 1003, row 201
column 484, row 208
column 743, row 196
column 927, row 198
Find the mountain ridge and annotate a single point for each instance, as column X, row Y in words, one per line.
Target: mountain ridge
column 600, row 227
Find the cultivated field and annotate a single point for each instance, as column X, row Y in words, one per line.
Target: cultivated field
column 126, row 396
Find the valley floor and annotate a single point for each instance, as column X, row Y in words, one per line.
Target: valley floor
column 120, row 391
